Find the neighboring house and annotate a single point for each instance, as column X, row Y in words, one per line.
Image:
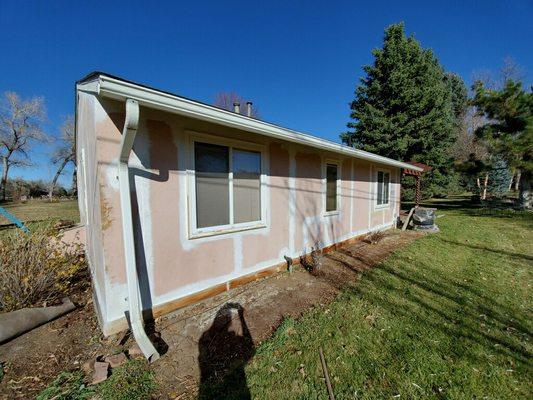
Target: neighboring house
column 209, row 198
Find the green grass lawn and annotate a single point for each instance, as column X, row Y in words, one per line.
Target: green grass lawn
column 41, row 210
column 448, row 317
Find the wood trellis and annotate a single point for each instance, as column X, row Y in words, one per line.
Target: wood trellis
column 418, row 177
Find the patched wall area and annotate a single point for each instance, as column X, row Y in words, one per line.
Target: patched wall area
column 172, row 261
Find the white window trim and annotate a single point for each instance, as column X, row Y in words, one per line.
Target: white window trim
column 325, row 163
column 388, row 203
column 195, row 232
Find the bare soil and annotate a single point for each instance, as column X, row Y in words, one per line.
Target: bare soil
column 199, row 342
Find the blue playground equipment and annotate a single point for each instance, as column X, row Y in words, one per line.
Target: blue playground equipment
column 14, row 219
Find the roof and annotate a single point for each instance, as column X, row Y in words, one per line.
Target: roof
column 422, row 168
column 113, row 87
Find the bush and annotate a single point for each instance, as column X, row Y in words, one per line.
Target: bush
column 312, row 261
column 38, row 269
column 374, row 237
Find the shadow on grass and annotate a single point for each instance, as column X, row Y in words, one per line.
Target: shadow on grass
column 492, row 207
column 458, row 309
column 459, row 202
column 484, row 248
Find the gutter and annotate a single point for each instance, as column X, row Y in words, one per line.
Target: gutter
column 120, row 89
column 134, row 301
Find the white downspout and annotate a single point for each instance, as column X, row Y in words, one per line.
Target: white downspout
column 126, row 144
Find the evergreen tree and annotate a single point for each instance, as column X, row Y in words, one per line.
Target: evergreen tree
column 406, row 107
column 459, row 95
column 499, row 177
column 510, row 129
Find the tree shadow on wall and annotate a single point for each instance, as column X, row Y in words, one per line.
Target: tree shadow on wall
column 224, row 350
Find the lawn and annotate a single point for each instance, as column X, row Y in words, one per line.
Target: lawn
column 449, row 317
column 41, row 210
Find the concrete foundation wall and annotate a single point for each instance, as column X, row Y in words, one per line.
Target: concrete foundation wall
column 171, row 264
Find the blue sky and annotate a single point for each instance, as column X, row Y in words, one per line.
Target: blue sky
column 298, row 61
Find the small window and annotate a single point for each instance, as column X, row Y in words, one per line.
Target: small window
column 332, row 175
column 227, row 188
column 383, row 188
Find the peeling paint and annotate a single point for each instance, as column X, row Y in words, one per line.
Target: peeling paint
column 105, row 210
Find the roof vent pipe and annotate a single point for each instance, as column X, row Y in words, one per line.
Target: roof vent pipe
column 249, row 108
column 237, row 107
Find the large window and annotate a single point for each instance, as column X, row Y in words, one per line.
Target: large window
column 332, row 177
column 383, row 188
column 227, row 187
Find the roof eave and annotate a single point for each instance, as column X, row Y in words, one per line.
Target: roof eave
column 119, row 89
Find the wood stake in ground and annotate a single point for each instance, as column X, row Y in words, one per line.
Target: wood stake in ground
column 326, row 375
column 404, row 227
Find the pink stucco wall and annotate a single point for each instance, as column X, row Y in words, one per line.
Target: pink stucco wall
column 175, row 265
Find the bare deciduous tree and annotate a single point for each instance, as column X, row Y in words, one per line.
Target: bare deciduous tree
column 509, row 70
column 226, row 100
column 467, row 143
column 65, row 152
column 20, row 128
column 470, row 149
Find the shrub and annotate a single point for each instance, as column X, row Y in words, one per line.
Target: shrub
column 37, row 268
column 375, row 237
column 313, row 260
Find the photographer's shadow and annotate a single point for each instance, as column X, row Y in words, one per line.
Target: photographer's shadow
column 224, row 350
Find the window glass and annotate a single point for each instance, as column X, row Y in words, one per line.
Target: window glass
column 246, row 186
column 212, row 184
column 383, row 188
column 380, row 188
column 331, row 187
column 386, row 179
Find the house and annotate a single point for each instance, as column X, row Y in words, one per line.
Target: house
column 182, row 200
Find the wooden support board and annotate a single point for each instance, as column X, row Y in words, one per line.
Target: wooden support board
column 406, row 223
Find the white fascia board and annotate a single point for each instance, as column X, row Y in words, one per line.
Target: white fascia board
column 120, row 90
column 92, row 86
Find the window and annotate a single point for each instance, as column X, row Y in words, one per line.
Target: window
column 227, row 192
column 332, row 176
column 383, row 188
column 212, row 184
column 246, row 186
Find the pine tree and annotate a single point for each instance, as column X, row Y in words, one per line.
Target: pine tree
column 499, row 177
column 510, row 130
column 407, row 108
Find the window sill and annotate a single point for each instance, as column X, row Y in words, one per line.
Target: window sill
column 331, row 213
column 224, row 231
column 382, row 207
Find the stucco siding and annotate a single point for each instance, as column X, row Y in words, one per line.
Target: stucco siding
column 173, row 264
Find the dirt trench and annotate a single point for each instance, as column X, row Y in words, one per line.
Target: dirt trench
column 199, row 341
